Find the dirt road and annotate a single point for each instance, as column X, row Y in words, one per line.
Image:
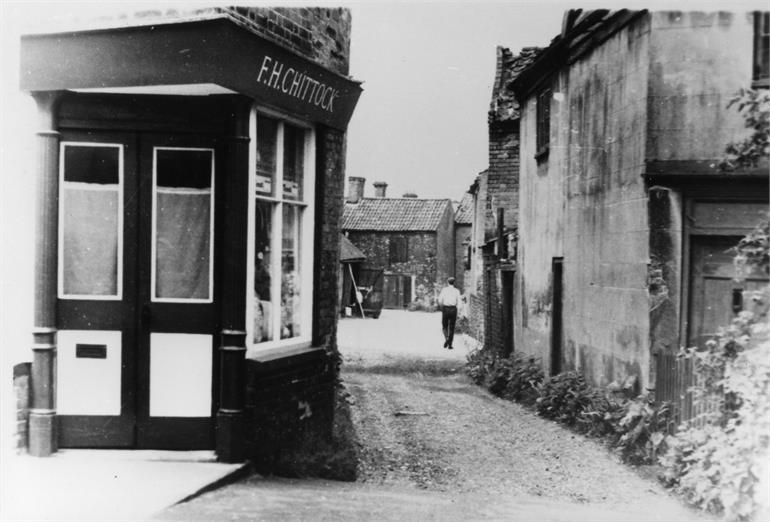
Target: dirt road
column 435, row 447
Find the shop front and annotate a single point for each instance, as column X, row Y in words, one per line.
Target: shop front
column 176, row 227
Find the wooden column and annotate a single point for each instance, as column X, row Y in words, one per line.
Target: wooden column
column 42, row 415
column 230, row 439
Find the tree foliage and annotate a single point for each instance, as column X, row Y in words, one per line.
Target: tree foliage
column 754, row 106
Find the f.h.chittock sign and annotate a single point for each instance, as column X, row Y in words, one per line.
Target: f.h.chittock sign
column 297, row 84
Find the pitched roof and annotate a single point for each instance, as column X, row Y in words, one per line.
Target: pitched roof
column 394, row 214
column 349, row 252
column 464, row 212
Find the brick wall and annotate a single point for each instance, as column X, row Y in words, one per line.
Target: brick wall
column 422, row 260
column 321, row 34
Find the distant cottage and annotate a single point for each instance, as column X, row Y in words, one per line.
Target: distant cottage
column 411, row 239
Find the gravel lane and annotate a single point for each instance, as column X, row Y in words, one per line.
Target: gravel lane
column 463, row 440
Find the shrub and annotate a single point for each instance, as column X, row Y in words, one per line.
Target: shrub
column 564, row 397
column 722, row 467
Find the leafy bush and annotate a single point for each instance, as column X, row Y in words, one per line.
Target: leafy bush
column 564, row 397
column 722, row 466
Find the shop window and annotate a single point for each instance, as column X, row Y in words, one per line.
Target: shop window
column 281, row 235
column 543, row 130
column 761, row 75
column 399, row 249
column 90, row 221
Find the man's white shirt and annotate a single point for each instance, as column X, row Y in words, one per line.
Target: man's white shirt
column 449, row 296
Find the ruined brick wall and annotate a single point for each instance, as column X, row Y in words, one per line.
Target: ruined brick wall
column 503, row 175
column 421, row 252
column 586, row 202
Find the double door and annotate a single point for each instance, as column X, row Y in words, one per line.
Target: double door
column 137, row 295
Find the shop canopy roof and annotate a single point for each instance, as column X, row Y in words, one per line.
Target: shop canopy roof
column 210, row 55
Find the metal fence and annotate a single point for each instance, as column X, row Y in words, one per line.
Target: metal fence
column 674, row 379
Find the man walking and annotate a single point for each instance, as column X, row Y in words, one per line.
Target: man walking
column 448, row 300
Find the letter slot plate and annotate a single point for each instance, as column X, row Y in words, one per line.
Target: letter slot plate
column 91, row 351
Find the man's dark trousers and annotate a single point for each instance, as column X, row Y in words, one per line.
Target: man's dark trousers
column 448, row 319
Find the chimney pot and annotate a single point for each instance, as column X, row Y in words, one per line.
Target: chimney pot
column 380, row 187
column 355, row 189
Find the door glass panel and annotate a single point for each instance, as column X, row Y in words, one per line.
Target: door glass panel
column 293, row 161
column 183, row 220
column 263, row 305
column 90, row 221
column 267, row 141
column 290, row 279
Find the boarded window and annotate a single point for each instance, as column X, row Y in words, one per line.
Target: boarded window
column 399, row 249
column 543, row 130
column 761, row 49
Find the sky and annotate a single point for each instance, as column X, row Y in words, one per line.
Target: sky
column 428, row 70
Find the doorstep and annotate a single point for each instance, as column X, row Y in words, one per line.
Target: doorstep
column 87, row 484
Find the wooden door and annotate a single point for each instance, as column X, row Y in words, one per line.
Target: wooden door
column 715, row 296
column 176, row 292
column 96, row 305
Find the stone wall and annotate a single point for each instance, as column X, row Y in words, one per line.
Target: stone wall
column 697, row 61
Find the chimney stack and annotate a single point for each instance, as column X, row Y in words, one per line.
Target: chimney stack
column 409, row 195
column 355, row 189
column 379, row 189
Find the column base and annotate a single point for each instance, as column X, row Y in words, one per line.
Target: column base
column 230, row 436
column 42, row 433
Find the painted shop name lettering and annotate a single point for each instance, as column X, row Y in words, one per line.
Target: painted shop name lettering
column 297, row 84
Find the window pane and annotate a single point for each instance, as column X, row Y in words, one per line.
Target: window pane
column 290, row 275
column 90, row 198
column 183, row 214
column 263, row 306
column 267, row 137
column 293, row 161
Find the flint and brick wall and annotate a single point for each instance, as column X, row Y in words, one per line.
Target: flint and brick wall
column 421, row 253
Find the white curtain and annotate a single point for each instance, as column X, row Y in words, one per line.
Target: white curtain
column 90, row 239
column 183, row 239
